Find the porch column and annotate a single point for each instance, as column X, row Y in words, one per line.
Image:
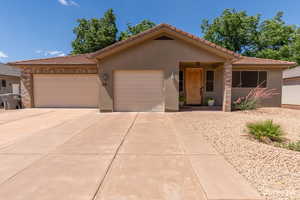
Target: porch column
column 26, row 88
column 227, row 78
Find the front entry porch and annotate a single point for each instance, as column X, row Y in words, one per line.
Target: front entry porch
column 204, row 86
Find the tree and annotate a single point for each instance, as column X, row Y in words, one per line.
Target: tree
column 95, row 34
column 134, row 30
column 248, row 35
column 276, row 39
column 233, row 30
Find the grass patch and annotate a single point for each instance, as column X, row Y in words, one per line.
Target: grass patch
column 266, row 131
column 294, row 146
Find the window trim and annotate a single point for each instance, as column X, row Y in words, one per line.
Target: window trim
column 258, row 70
column 214, row 81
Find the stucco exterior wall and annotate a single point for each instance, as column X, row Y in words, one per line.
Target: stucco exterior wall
column 153, row 55
column 274, row 81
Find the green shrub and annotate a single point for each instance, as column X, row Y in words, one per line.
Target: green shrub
column 294, row 146
column 266, row 129
column 244, row 104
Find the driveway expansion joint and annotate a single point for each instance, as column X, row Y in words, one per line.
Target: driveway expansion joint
column 114, row 157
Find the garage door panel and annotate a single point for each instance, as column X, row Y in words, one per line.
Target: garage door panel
column 69, row 90
column 138, row 90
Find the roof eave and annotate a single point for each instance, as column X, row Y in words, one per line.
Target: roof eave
column 268, row 65
column 19, row 65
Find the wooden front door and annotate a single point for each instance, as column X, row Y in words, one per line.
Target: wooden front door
column 193, row 85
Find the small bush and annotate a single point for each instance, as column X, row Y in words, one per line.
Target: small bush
column 244, row 104
column 294, row 146
column 266, row 129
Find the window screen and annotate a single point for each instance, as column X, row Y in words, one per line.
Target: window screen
column 249, row 79
column 262, row 81
column 210, row 81
column 236, row 79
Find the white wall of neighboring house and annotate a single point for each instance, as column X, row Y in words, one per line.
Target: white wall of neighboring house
column 291, row 94
column 291, row 87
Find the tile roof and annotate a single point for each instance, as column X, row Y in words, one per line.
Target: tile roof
column 292, row 73
column 261, row 61
column 9, row 71
column 80, row 59
column 161, row 27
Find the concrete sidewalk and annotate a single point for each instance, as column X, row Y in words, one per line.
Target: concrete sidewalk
column 85, row 155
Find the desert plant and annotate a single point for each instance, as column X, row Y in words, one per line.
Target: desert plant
column 244, row 104
column 266, row 130
column 294, row 146
column 255, row 95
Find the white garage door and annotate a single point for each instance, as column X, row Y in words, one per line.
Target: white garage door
column 138, row 91
column 66, row 90
column 290, row 94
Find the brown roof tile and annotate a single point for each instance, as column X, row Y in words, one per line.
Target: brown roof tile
column 80, row 59
column 261, row 61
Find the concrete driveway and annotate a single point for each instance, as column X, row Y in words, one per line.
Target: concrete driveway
column 79, row 154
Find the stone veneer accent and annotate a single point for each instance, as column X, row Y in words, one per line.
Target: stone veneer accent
column 227, row 73
column 28, row 72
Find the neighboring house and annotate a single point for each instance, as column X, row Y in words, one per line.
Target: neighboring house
column 291, row 88
column 147, row 72
column 9, row 80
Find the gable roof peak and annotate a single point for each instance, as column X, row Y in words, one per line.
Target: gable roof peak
column 160, row 29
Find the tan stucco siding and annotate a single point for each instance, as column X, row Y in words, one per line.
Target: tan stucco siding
column 274, row 81
column 217, row 93
column 153, row 55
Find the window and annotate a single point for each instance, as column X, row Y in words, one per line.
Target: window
column 3, row 83
column 210, row 81
column 180, row 81
column 249, row 79
column 236, row 79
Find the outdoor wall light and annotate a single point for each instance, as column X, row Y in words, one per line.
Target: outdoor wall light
column 104, row 78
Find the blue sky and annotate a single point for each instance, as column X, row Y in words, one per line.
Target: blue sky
column 43, row 28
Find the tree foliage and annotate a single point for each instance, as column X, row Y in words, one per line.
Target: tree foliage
column 233, row 30
column 134, row 30
column 95, row 34
column 249, row 35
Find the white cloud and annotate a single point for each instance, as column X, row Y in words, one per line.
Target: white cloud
column 62, row 54
column 68, row 3
column 38, row 51
column 3, row 55
column 50, row 53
